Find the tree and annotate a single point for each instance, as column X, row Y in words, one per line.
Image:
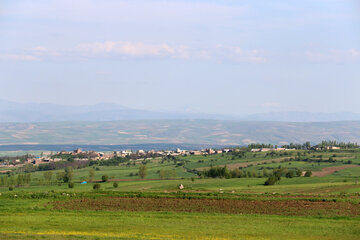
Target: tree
column 48, row 176
column 105, row 178
column 20, row 180
column 115, row 184
column 71, row 185
column 290, row 174
column 271, row 180
column 308, row 174
column 142, row 171
column 69, row 174
column 27, row 178
column 91, row 174
column 162, row 174
column 60, row 176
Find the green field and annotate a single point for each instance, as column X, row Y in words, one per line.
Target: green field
column 324, row 207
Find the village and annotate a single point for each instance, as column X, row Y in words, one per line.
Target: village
column 80, row 155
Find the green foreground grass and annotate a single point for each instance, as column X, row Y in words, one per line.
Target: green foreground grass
column 25, row 221
column 31, row 218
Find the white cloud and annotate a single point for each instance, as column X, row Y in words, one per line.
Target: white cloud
column 18, row 57
column 140, row 49
column 132, row 49
column 143, row 51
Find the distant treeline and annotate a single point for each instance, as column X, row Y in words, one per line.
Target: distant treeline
column 342, row 145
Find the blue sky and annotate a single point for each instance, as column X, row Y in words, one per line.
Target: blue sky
column 228, row 57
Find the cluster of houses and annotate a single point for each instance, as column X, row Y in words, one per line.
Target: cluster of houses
column 79, row 155
column 328, row 148
column 271, row 149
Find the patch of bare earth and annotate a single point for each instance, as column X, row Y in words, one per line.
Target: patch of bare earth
column 229, row 206
column 329, row 170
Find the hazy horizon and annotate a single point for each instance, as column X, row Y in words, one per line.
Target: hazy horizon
column 219, row 57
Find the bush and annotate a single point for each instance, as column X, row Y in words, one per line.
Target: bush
column 290, row 174
column 115, row 184
column 71, row 185
column 105, row 178
column 11, row 188
column 96, row 186
column 308, row 174
column 271, row 180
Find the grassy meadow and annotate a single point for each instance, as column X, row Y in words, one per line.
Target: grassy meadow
column 316, row 207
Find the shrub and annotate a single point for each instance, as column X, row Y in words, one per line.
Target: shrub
column 96, row 186
column 290, row 174
column 105, row 178
column 271, row 180
column 308, row 174
column 11, row 188
column 142, row 171
column 71, row 185
column 115, row 184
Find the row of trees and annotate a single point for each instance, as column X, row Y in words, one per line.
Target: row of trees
column 343, row 145
column 18, row 180
column 224, row 172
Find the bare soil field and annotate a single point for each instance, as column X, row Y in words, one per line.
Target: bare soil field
column 229, row 206
column 329, row 170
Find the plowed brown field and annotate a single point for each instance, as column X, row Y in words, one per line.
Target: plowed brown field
column 271, row 207
column 329, row 170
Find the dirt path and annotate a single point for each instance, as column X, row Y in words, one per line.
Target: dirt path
column 329, row 170
column 245, row 164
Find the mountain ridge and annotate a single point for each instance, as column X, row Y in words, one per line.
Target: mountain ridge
column 47, row 112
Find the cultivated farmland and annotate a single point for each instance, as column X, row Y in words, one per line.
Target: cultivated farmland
column 321, row 206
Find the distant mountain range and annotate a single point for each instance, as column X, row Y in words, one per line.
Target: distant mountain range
column 40, row 112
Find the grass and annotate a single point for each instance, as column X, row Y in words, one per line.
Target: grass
column 25, row 215
column 25, row 219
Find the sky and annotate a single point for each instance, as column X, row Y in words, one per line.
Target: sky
column 224, row 57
